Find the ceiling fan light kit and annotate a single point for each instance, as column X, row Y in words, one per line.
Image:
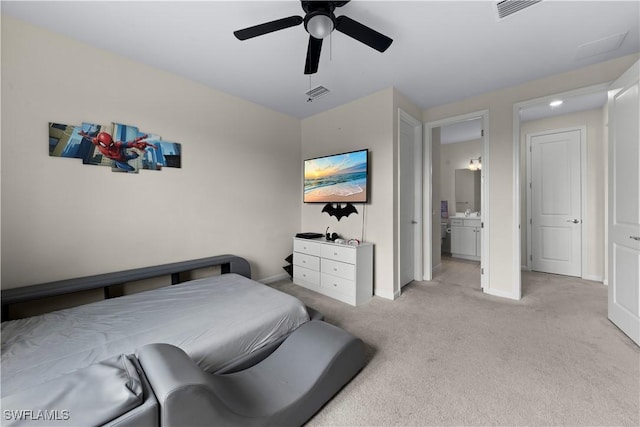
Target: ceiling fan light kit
column 319, row 25
column 320, row 21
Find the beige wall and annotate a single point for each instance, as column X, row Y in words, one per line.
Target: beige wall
column 238, row 190
column 370, row 122
column 503, row 267
column 595, row 185
column 364, row 123
column 63, row 219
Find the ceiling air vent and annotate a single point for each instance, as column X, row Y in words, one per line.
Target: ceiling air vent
column 509, row 7
column 316, row 93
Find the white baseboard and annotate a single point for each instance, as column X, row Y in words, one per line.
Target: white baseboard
column 272, row 279
column 499, row 293
column 387, row 295
column 593, row 277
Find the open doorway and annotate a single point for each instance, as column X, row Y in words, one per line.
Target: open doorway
column 562, row 200
column 456, row 162
column 610, row 221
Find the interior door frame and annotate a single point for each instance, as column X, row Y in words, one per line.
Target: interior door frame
column 517, row 194
column 430, row 211
column 417, row 126
column 629, row 322
column 583, row 193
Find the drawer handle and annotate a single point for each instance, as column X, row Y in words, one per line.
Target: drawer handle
column 335, row 253
column 304, row 262
column 304, row 275
column 335, row 284
column 335, row 269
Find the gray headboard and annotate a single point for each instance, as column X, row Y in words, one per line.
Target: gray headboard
column 228, row 263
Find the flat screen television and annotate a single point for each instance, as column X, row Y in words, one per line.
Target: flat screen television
column 339, row 178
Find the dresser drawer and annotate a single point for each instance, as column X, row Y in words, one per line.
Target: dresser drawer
column 333, row 284
column 340, row 269
column 307, row 247
column 472, row 223
column 308, row 261
column 306, row 275
column 339, row 253
column 457, row 222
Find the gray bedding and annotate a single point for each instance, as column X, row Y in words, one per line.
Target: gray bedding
column 215, row 320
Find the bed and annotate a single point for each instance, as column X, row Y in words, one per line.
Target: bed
column 221, row 322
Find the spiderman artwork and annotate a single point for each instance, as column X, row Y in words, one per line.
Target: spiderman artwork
column 118, row 151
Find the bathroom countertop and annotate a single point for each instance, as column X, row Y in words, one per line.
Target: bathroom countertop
column 462, row 215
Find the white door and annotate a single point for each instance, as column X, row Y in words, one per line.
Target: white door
column 624, row 208
column 555, row 202
column 410, row 139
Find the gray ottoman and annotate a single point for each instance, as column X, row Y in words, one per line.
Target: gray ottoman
column 285, row 389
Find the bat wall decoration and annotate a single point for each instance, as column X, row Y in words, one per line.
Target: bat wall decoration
column 338, row 210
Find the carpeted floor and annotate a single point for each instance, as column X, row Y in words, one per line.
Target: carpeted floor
column 445, row 353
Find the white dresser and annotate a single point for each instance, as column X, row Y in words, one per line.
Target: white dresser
column 337, row 270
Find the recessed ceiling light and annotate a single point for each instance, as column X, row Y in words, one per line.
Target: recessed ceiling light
column 555, row 103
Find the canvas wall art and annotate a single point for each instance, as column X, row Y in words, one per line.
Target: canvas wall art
column 123, row 148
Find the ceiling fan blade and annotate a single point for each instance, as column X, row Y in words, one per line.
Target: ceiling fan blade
column 268, row 27
column 362, row 33
column 313, row 55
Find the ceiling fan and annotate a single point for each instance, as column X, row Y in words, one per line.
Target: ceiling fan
column 319, row 21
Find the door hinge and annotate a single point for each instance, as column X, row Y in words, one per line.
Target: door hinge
column 531, row 221
column 482, row 271
column 482, row 225
column 482, row 132
column 530, row 185
column 530, row 149
column 530, row 257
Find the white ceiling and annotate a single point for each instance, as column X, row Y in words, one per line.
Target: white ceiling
column 443, row 51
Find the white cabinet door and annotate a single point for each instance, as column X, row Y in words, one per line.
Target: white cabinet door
column 624, row 207
column 463, row 240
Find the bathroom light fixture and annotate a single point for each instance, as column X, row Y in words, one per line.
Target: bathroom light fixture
column 555, row 103
column 477, row 165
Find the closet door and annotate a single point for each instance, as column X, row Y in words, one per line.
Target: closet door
column 556, row 204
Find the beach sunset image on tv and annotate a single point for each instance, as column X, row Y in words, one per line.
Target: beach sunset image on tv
column 335, row 179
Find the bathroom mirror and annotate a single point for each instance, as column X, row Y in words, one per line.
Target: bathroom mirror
column 467, row 183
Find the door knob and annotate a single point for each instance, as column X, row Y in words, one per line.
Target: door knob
column 634, row 237
column 575, row 221
column 414, row 222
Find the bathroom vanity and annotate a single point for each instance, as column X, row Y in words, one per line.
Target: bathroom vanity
column 466, row 237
